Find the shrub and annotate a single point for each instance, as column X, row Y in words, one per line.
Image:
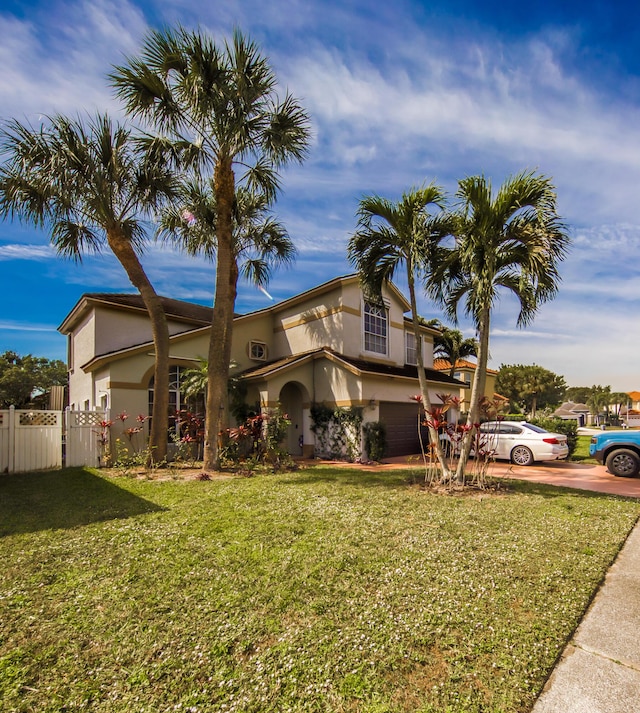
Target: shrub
column 337, row 431
column 559, row 425
column 375, row 440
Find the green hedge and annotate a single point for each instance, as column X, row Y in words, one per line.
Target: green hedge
column 559, row 425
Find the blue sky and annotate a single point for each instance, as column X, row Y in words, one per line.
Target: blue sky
column 399, row 94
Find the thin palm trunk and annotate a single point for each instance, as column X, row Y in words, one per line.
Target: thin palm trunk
column 422, row 379
column 477, row 390
column 222, row 321
column 124, row 252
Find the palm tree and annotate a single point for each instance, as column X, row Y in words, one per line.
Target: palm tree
column 512, row 240
column 599, row 400
column 390, row 235
column 260, row 242
column 93, row 187
column 194, row 378
column 451, row 345
column 221, row 112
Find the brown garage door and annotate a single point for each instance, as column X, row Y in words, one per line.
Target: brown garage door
column 401, row 421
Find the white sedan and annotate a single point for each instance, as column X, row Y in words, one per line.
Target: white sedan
column 522, row 443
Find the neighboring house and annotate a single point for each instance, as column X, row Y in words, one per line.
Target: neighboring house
column 634, row 400
column 328, row 345
column 464, row 371
column 630, row 412
column 569, row 411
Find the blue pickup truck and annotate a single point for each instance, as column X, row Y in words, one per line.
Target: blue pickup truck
column 618, row 450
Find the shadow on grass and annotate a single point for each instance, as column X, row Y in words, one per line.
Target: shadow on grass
column 62, row 499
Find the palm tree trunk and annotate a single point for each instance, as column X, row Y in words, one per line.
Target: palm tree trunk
column 422, row 379
column 477, row 390
column 124, row 252
column 222, row 320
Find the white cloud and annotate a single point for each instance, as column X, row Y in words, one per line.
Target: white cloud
column 59, row 63
column 22, row 251
column 26, row 327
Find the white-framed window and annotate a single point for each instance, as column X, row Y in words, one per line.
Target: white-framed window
column 411, row 351
column 257, row 351
column 463, row 376
column 179, row 403
column 375, row 328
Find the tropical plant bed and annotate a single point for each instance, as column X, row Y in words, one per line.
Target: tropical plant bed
column 325, row 589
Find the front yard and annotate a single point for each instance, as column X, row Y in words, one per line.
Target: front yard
column 320, row 590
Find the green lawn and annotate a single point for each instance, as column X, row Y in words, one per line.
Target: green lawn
column 321, row 590
column 581, row 452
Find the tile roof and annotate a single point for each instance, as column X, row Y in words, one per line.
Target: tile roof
column 445, row 365
column 173, row 308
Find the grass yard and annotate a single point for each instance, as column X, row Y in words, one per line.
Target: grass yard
column 581, row 453
column 321, row 590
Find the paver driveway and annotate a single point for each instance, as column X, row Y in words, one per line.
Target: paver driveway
column 566, row 474
column 571, row 475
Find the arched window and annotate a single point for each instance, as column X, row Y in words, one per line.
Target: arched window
column 181, row 408
column 375, row 328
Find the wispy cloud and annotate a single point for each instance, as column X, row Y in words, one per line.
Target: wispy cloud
column 22, row 251
column 26, row 327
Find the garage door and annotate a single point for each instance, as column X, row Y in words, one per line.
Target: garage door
column 401, row 422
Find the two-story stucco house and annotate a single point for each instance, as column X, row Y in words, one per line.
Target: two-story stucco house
column 328, row 345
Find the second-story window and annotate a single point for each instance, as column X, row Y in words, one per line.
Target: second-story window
column 257, row 351
column 375, row 328
column 411, row 352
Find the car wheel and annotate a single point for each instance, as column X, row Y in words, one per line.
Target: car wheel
column 521, row 455
column 623, row 463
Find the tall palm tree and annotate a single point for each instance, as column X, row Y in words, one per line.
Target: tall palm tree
column 260, row 242
column 512, row 240
column 451, row 345
column 391, row 235
column 93, row 187
column 220, row 112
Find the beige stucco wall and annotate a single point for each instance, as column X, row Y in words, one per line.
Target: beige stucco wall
column 119, row 328
column 258, row 328
column 310, row 324
column 82, row 349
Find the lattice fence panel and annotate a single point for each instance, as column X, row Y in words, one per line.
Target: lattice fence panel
column 38, row 440
column 83, row 443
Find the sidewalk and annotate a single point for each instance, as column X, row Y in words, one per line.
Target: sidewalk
column 599, row 671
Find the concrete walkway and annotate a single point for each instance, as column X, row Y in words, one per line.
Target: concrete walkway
column 599, row 671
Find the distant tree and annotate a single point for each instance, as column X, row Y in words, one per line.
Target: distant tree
column 530, row 387
column 23, row 378
column 599, row 401
column 618, row 400
column 578, row 394
column 451, row 345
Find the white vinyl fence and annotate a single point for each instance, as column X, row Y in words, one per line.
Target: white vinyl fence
column 83, row 437
column 30, row 440
column 33, row 440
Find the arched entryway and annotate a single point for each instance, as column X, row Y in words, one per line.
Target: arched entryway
column 293, row 397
